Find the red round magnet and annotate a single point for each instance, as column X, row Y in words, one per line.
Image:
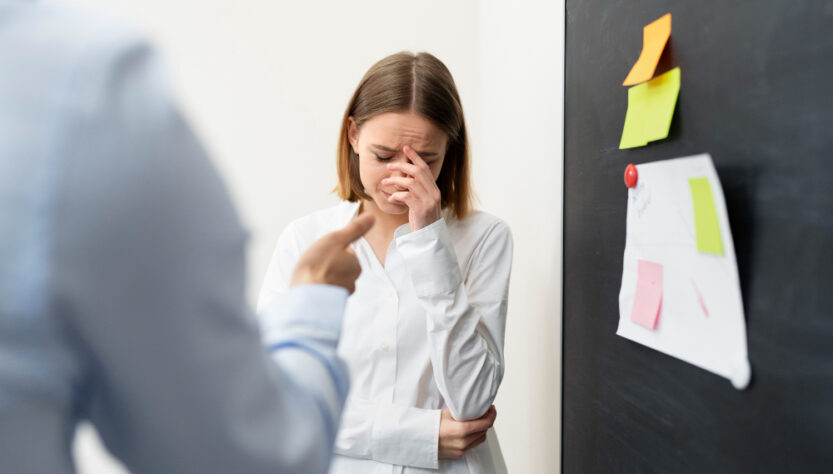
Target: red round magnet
column 631, row 175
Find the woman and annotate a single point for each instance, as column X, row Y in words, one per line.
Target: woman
column 423, row 332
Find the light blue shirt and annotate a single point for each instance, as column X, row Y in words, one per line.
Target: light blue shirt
column 122, row 275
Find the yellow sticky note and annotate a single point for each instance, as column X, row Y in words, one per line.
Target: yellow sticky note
column 650, row 109
column 705, row 216
column 654, row 37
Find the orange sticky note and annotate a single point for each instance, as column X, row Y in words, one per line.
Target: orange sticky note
column 647, row 300
column 654, row 37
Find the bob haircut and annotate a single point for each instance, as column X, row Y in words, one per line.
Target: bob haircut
column 420, row 83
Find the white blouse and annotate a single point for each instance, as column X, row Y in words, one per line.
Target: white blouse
column 422, row 333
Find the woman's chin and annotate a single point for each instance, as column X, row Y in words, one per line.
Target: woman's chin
column 391, row 207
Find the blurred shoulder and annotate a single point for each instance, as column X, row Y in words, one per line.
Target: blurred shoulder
column 84, row 55
column 61, row 28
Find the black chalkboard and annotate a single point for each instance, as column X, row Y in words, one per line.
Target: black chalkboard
column 757, row 94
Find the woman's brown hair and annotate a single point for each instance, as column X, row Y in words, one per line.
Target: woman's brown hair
column 410, row 82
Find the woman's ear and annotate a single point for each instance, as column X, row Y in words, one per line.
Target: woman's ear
column 352, row 134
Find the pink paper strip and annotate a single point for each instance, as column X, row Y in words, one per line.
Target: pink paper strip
column 700, row 298
column 647, row 300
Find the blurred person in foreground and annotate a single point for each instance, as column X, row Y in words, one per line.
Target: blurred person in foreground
column 122, row 275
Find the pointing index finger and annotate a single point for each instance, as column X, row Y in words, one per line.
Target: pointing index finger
column 355, row 229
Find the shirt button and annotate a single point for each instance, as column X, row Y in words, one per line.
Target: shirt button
column 385, row 348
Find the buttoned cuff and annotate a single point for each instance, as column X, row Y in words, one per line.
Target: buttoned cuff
column 309, row 310
column 406, row 436
column 430, row 257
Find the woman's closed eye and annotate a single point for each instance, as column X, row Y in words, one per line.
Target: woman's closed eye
column 383, row 158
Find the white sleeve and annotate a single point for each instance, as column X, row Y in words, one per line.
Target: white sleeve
column 466, row 319
column 388, row 433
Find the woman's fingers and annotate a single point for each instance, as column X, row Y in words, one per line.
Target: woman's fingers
column 457, row 437
column 483, row 423
column 475, row 440
column 468, row 442
column 406, row 168
column 414, row 156
column 402, row 182
column 402, row 197
column 423, row 197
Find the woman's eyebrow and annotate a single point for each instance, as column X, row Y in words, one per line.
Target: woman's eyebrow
column 391, row 150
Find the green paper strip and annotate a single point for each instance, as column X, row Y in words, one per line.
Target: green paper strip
column 705, row 216
column 650, row 109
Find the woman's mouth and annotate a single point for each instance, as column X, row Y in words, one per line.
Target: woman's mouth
column 387, row 198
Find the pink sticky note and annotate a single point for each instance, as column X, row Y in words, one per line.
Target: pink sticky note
column 648, row 298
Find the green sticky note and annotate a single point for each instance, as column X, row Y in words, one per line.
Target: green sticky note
column 650, row 108
column 705, row 216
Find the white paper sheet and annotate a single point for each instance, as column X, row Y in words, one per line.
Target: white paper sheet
column 661, row 229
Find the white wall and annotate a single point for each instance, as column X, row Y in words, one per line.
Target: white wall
column 265, row 84
column 518, row 174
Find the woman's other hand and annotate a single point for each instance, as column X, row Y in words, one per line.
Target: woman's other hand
column 457, row 437
column 419, row 190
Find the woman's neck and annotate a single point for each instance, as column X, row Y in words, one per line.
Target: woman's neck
column 386, row 224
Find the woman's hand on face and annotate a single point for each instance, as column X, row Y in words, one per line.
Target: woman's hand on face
column 457, row 437
column 420, row 194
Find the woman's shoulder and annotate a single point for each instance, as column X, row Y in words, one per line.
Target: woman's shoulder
column 310, row 227
column 477, row 228
column 477, row 220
